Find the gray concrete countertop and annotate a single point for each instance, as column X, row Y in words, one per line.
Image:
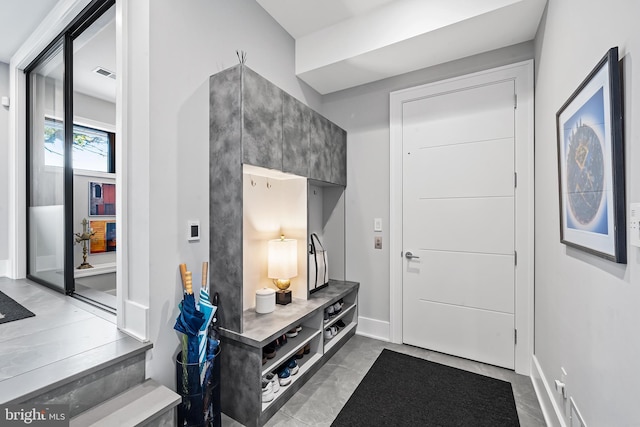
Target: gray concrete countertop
column 260, row 329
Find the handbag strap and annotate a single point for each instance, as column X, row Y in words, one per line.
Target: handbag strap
column 315, row 258
column 314, row 236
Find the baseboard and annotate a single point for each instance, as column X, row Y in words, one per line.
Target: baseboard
column 373, row 328
column 136, row 318
column 4, row 268
column 550, row 410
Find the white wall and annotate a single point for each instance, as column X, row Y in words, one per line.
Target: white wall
column 268, row 211
column 189, row 41
column 364, row 112
column 4, row 169
column 586, row 309
column 94, row 112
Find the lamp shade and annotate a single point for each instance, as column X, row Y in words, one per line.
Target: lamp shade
column 282, row 258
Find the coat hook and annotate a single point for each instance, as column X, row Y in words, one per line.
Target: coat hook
column 253, row 183
column 268, row 184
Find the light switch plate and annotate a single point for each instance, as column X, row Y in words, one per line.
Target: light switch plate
column 634, row 225
column 193, row 231
column 377, row 224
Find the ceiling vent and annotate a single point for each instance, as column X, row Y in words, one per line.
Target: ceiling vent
column 105, row 72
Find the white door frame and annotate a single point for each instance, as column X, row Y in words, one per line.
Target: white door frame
column 522, row 75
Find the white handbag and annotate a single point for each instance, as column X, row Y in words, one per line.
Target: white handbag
column 318, row 265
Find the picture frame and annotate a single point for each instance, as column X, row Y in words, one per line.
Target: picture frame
column 102, row 199
column 104, row 237
column 591, row 164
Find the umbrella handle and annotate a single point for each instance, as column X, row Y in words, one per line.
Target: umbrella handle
column 187, row 285
column 205, row 272
column 183, row 273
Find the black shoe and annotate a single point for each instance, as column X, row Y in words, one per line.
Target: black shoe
column 269, row 351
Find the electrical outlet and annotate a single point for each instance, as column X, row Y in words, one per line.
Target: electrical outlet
column 377, row 242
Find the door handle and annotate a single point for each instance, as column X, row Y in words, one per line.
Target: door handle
column 410, row 255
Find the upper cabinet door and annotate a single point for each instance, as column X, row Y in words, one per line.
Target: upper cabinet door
column 262, row 121
column 295, row 128
column 338, row 155
column 319, row 148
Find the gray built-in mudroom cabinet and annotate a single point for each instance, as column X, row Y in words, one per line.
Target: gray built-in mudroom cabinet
column 276, row 166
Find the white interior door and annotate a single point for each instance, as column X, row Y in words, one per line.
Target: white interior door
column 458, row 223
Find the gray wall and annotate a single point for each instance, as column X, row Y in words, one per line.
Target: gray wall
column 189, row 41
column 364, row 112
column 586, row 309
column 4, row 165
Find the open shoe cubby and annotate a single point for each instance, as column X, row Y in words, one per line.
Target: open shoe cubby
column 241, row 356
column 307, row 362
column 348, row 315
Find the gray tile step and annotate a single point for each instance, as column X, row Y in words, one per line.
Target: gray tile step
column 140, row 405
column 81, row 380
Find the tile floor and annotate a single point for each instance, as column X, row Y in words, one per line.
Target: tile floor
column 65, row 337
column 28, row 346
column 320, row 400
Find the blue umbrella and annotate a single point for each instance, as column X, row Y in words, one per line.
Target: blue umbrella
column 189, row 321
column 208, row 310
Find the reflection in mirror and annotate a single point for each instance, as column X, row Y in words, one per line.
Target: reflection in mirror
column 94, row 110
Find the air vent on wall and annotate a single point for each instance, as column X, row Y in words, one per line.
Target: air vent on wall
column 104, row 72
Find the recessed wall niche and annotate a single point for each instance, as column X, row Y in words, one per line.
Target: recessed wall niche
column 274, row 203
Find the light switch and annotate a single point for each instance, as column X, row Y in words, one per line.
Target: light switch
column 377, row 224
column 193, row 231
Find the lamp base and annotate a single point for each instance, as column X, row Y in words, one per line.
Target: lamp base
column 283, row 297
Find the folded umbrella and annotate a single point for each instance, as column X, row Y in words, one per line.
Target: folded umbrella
column 189, row 321
column 208, row 310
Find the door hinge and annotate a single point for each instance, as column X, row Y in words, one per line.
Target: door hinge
column 515, row 101
column 515, row 180
column 515, row 258
column 515, row 336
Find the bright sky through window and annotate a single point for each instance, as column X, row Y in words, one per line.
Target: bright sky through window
column 90, row 146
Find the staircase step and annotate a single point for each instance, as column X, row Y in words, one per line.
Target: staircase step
column 138, row 405
column 82, row 380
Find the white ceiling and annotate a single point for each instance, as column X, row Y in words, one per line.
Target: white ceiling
column 339, row 43
column 346, row 43
column 302, row 17
column 96, row 47
column 19, row 19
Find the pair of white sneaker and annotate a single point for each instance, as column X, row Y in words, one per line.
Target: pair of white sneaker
column 330, row 332
column 332, row 310
column 270, row 386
